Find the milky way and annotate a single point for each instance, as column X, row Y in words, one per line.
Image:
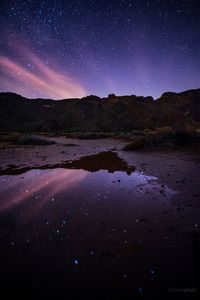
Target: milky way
column 63, row 49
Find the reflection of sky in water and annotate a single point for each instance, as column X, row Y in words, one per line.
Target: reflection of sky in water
column 86, row 226
column 38, row 184
column 45, row 185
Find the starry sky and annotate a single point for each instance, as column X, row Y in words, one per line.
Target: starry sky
column 66, row 49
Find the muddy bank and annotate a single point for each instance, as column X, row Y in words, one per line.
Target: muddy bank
column 63, row 150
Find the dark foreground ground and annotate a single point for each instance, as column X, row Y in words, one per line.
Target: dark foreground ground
column 84, row 219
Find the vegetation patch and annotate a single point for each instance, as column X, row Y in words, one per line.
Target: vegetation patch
column 164, row 138
column 90, row 135
column 10, row 137
column 34, row 140
column 137, row 144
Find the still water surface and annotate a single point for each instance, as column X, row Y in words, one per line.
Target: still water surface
column 99, row 234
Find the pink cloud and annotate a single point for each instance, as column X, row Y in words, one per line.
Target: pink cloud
column 45, row 81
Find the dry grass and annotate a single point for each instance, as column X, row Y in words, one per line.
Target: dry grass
column 164, row 138
column 137, row 144
column 10, row 137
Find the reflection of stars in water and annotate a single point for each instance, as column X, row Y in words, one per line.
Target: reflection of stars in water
column 35, row 184
column 56, row 230
column 76, row 261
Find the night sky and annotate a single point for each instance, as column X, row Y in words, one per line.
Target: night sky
column 62, row 49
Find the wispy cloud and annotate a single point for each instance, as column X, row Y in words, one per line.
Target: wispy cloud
column 42, row 81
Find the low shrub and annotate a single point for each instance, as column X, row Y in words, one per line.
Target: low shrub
column 90, row 135
column 11, row 137
column 137, row 133
column 34, row 140
column 137, row 144
column 164, row 138
column 184, row 138
column 164, row 131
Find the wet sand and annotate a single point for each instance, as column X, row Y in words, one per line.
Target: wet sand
column 85, row 218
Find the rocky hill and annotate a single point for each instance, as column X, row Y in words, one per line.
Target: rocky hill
column 112, row 114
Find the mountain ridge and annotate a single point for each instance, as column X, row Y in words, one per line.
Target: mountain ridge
column 92, row 113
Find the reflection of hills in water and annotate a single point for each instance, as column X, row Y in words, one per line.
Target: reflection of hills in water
column 106, row 160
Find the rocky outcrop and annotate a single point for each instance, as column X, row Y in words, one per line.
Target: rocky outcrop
column 91, row 113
